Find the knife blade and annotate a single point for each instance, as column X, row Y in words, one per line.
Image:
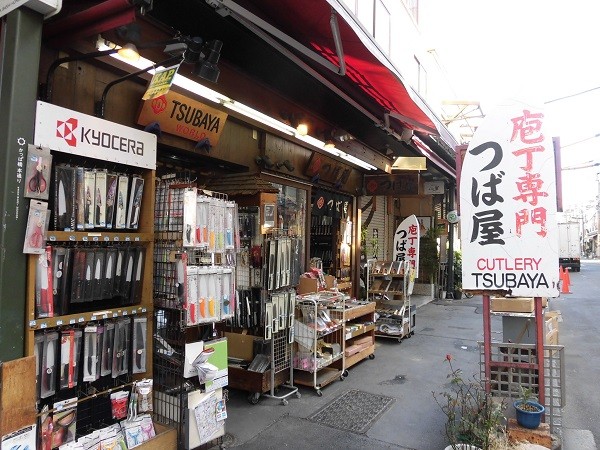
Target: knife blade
column 180, row 281
column 88, row 367
column 140, row 345
column 128, row 277
column 48, row 376
column 138, row 277
column 62, row 199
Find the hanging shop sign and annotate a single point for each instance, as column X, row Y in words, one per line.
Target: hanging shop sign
column 401, row 184
column 183, row 116
column 327, row 169
column 406, row 242
column 327, row 203
column 69, row 131
column 508, row 225
column 433, row 187
column 161, row 82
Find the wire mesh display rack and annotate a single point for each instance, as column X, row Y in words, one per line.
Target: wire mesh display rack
column 171, row 329
column 320, row 340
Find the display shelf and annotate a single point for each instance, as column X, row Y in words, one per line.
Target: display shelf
column 397, row 322
column 98, row 236
column 368, row 352
column 319, row 380
column 319, row 354
column 91, row 316
column 365, row 329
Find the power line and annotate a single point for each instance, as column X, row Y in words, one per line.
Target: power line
column 572, row 95
column 582, row 140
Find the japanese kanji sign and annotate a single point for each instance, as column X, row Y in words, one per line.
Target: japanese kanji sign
column 508, row 228
column 406, row 242
column 400, row 184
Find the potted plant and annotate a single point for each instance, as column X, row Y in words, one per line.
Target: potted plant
column 474, row 419
column 429, row 260
column 529, row 411
column 457, row 272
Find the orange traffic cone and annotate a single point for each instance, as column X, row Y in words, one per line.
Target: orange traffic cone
column 565, row 281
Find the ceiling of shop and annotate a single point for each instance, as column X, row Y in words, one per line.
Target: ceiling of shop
column 245, row 54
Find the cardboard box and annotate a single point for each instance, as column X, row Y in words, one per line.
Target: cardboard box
column 516, row 304
column 310, row 285
column 241, row 345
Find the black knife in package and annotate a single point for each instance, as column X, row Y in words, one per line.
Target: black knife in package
column 78, row 275
column 127, row 274
column 118, row 273
column 61, row 278
column 121, row 348
column 139, row 345
column 107, row 348
column 135, row 296
column 64, row 198
column 111, row 197
column 88, row 290
column 108, row 281
column 98, row 274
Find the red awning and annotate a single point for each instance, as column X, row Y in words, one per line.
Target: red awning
column 370, row 78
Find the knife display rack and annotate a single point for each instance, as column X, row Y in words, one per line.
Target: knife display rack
column 195, row 249
column 89, row 295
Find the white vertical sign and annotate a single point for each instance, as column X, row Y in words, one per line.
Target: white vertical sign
column 406, row 242
column 508, row 228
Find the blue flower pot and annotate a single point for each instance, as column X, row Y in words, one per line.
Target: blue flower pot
column 529, row 419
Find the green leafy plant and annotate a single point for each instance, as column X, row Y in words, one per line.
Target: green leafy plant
column 429, row 259
column 457, row 271
column 472, row 415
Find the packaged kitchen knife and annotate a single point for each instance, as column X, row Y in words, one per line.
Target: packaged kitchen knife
column 48, row 373
column 89, row 208
column 62, row 264
column 78, row 275
column 202, row 211
column 107, row 348
column 99, row 269
column 38, row 351
column 127, row 275
column 189, row 217
column 100, row 200
column 121, row 202
column 111, row 198
column 135, row 296
column 139, row 345
column 65, row 188
column 35, row 233
column 121, row 348
column 70, row 345
column 80, row 198
column 90, row 353
column 191, row 301
column 228, row 293
column 108, row 281
column 44, row 298
column 135, row 202
column 118, row 274
column 88, row 282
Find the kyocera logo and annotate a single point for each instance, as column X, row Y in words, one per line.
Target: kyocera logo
column 97, row 138
column 66, row 130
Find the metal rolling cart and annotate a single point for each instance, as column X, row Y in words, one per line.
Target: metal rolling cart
column 388, row 284
column 319, row 338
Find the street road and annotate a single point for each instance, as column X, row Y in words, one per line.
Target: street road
column 579, row 332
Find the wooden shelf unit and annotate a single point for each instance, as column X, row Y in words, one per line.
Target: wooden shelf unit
column 364, row 316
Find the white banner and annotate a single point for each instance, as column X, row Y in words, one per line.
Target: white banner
column 508, row 225
column 406, row 242
column 69, row 131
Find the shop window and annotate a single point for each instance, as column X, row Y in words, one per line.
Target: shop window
column 291, row 211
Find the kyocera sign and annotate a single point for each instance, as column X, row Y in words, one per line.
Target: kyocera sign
column 68, row 131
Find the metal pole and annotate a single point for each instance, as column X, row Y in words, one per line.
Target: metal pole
column 20, row 44
column 450, row 265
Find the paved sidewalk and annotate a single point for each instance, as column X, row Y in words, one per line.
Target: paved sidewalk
column 408, row 372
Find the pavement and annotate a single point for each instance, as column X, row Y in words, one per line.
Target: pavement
column 408, row 371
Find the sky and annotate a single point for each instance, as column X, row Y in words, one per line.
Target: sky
column 536, row 51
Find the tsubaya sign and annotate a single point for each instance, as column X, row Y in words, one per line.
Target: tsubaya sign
column 406, row 242
column 72, row 132
column 508, row 227
column 182, row 116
